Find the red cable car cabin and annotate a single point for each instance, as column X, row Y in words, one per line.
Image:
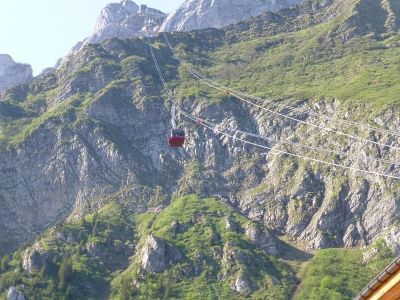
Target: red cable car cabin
column 177, row 138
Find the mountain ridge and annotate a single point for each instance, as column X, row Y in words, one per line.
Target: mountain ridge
column 73, row 88
column 78, row 140
column 201, row 14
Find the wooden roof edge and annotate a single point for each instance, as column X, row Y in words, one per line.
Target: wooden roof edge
column 379, row 280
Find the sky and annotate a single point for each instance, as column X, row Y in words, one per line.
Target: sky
column 38, row 32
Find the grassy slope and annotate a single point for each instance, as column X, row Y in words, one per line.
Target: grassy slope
column 270, row 58
column 272, row 277
column 331, row 274
column 339, row 273
column 308, row 65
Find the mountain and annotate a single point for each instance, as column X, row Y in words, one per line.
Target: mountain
column 122, row 20
column 12, row 73
column 200, row 14
column 207, row 249
column 95, row 204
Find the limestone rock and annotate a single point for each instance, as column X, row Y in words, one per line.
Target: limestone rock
column 369, row 255
column 233, row 258
column 199, row 14
column 12, row 73
column 66, row 237
column 157, row 256
column 34, row 259
column 230, row 224
column 262, row 239
column 15, row 294
column 122, row 20
column 94, row 249
column 351, row 236
column 392, row 239
column 242, row 284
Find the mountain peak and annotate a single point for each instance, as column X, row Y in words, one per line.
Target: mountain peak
column 116, row 13
column 6, row 60
column 130, row 6
column 12, row 73
column 200, row 14
column 122, row 20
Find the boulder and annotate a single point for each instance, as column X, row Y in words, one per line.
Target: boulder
column 370, row 255
column 392, row 239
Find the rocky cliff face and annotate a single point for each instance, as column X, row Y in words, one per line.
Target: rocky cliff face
column 83, row 152
column 95, row 131
column 12, row 73
column 199, row 14
column 123, row 20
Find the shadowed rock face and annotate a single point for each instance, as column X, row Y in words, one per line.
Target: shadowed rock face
column 199, row 14
column 12, row 73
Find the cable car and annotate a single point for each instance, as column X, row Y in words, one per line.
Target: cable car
column 177, row 138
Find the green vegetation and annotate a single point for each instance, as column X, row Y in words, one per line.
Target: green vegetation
column 93, row 257
column 339, row 273
column 197, row 228
column 70, row 271
column 100, row 255
column 362, row 71
column 315, row 62
column 83, row 258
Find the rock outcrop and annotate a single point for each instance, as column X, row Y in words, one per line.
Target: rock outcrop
column 392, row 239
column 230, row 224
column 200, row 14
column 15, row 294
column 262, row 239
column 12, row 73
column 242, row 284
column 157, row 255
column 34, row 259
column 123, row 20
column 94, row 249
